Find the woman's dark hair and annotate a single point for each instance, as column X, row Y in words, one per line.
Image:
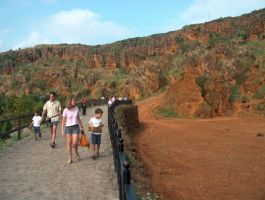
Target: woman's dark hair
column 98, row 110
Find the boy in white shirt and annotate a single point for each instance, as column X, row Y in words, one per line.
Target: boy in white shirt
column 36, row 121
column 95, row 125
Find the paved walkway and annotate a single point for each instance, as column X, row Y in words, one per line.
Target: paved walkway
column 32, row 170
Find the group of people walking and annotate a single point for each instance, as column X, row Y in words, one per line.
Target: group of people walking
column 71, row 124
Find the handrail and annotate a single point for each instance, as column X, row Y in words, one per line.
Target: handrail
column 122, row 166
column 19, row 126
column 16, row 117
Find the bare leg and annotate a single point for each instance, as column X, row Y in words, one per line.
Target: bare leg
column 98, row 146
column 51, row 131
column 54, row 128
column 94, row 151
column 69, row 147
column 75, row 145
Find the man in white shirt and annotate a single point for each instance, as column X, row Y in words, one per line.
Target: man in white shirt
column 53, row 110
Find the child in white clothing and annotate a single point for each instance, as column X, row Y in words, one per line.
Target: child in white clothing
column 36, row 121
column 95, row 126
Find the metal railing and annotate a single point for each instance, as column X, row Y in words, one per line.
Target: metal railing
column 122, row 166
column 17, row 123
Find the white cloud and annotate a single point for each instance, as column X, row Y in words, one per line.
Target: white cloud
column 206, row 10
column 33, row 39
column 75, row 26
column 3, row 34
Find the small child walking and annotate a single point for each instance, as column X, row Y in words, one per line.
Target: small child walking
column 95, row 125
column 36, row 121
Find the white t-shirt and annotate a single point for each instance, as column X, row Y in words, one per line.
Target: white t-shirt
column 109, row 103
column 72, row 116
column 36, row 121
column 95, row 123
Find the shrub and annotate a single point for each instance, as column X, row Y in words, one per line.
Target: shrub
column 3, row 128
column 261, row 93
column 200, row 81
column 244, row 99
column 235, row 93
column 216, row 38
column 167, row 112
column 260, row 107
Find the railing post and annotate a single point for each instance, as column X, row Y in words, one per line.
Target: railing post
column 19, row 130
column 121, row 147
column 119, row 133
column 126, row 172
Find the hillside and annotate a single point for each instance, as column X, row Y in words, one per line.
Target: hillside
column 205, row 70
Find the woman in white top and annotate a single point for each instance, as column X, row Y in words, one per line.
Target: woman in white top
column 71, row 124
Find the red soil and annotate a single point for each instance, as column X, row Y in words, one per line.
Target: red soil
column 212, row 159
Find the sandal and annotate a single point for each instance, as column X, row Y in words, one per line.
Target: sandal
column 94, row 157
column 52, row 144
column 69, row 161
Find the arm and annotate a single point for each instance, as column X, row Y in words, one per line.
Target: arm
column 80, row 122
column 60, row 115
column 60, row 112
column 90, row 126
column 30, row 126
column 63, row 125
column 44, row 111
column 43, row 114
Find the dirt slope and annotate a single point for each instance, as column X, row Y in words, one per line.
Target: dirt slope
column 218, row 159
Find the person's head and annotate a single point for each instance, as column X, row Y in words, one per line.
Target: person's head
column 36, row 113
column 52, row 96
column 70, row 103
column 98, row 113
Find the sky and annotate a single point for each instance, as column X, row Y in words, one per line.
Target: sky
column 26, row 23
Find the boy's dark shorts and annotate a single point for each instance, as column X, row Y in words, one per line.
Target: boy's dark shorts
column 95, row 138
column 36, row 129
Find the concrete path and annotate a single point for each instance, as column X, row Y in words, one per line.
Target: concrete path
column 32, row 170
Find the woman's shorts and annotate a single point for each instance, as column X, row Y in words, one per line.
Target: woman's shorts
column 95, row 138
column 72, row 129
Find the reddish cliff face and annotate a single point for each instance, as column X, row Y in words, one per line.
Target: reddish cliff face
column 208, row 67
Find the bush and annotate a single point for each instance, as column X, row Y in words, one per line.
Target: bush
column 261, row 93
column 260, row 107
column 235, row 93
column 216, row 38
column 3, row 128
column 244, row 99
column 200, row 81
column 167, row 112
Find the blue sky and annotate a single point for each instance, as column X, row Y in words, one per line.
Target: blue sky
column 25, row 23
